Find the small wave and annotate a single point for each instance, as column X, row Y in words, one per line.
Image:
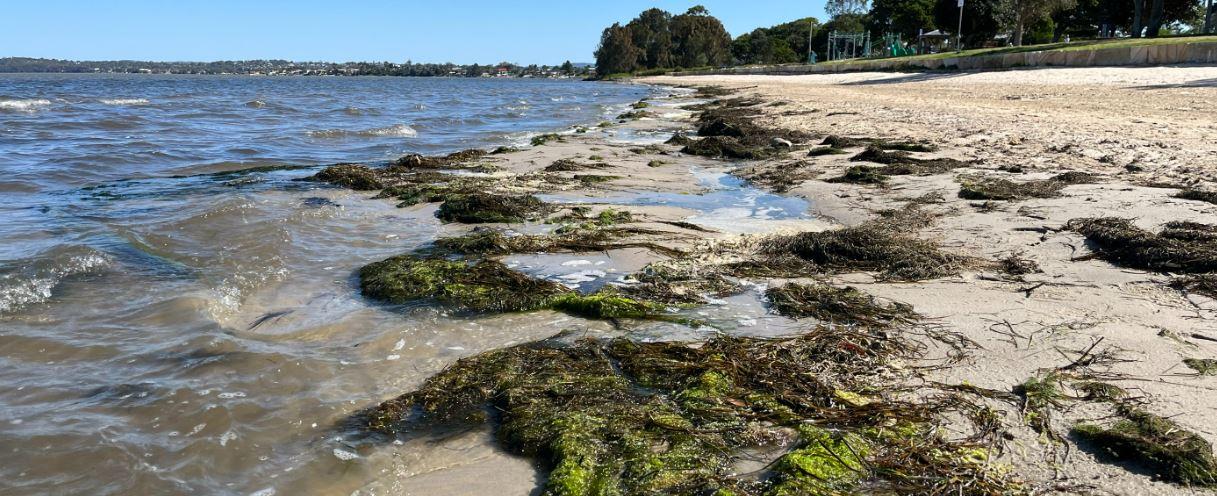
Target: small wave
column 124, row 101
column 400, row 131
column 24, row 105
column 36, row 283
column 255, row 104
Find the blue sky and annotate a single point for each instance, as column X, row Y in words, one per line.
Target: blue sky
column 540, row 31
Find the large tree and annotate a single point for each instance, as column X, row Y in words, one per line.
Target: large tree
column 781, row 44
column 699, row 40
column 981, row 19
column 652, row 34
column 903, row 17
column 617, row 53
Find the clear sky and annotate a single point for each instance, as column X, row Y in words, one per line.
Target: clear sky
column 461, row 31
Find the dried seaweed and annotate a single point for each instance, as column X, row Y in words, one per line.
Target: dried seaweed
column 1180, row 246
column 836, row 305
column 354, row 176
column 1172, row 452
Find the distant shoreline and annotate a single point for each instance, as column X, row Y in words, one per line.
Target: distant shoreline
column 23, row 65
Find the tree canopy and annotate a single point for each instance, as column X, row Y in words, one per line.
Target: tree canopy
column 658, row 40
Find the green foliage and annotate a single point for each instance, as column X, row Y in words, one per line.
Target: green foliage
column 782, row 44
column 903, row 17
column 655, row 42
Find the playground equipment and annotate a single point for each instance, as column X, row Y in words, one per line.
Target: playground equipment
column 848, row 45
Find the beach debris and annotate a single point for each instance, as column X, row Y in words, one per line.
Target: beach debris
column 635, row 115
column 452, row 160
column 1180, row 246
column 1173, row 453
column 887, row 245
column 1197, row 195
column 834, row 305
column 543, row 139
column 574, row 239
column 778, row 177
column 825, row 150
column 840, row 142
column 354, row 176
column 1202, row 366
column 488, row 208
column 728, row 130
column 1000, row 189
column 1201, row 284
column 1017, row 265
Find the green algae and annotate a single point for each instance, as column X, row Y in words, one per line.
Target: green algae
column 1100, row 391
column 483, row 286
column 353, row 176
column 831, row 304
column 1202, row 366
column 607, row 304
column 1040, row 395
column 452, row 160
column 624, row 417
column 486, row 208
column 543, row 139
column 1173, row 453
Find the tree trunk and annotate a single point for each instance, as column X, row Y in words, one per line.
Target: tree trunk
column 1208, row 17
column 1019, row 27
column 1137, row 7
column 1155, row 19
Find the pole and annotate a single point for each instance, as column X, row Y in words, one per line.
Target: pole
column 959, row 32
column 811, row 52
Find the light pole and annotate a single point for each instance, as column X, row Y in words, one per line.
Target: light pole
column 959, row 32
column 811, row 51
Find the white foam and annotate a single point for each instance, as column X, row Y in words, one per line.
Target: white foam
column 24, row 105
column 344, row 455
column 17, row 290
column 124, row 101
column 395, row 131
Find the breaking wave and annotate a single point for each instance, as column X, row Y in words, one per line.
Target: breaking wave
column 35, row 282
column 124, row 101
column 399, row 131
column 24, row 105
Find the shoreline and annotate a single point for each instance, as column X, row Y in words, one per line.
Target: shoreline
column 1064, row 308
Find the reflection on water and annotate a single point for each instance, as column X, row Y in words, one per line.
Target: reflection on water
column 728, row 203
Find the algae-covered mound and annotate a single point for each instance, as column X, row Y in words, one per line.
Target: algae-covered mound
column 831, row 304
column 1172, row 452
column 879, row 245
column 622, row 417
column 729, row 130
column 895, row 163
column 1179, row 247
column 490, row 286
column 484, row 286
column 486, row 208
column 570, row 239
column 416, row 161
column 840, row 142
column 354, row 176
column 994, row 188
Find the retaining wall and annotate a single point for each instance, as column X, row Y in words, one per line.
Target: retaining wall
column 1178, row 53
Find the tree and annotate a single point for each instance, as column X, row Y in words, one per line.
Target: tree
column 838, row 8
column 567, row 68
column 982, row 19
column 699, row 40
column 651, row 32
column 1023, row 14
column 782, row 44
column 903, row 17
column 617, row 53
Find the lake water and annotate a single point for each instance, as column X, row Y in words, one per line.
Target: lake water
column 170, row 326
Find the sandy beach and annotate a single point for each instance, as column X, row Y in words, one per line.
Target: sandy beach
column 1134, row 127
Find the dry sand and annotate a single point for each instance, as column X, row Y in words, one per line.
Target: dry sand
column 1134, row 126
